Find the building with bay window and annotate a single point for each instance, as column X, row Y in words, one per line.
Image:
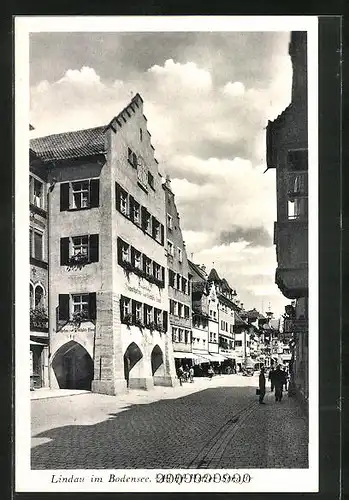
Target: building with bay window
column 287, row 152
column 106, row 250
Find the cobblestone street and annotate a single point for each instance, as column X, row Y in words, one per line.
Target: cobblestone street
column 208, row 424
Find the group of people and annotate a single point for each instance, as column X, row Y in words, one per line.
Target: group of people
column 278, row 380
column 185, row 374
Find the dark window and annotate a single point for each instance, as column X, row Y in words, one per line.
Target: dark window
column 171, row 278
column 150, row 180
column 38, row 248
column 140, row 134
column 297, row 159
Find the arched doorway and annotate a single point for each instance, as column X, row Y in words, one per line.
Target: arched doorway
column 157, row 365
column 132, row 357
column 73, row 366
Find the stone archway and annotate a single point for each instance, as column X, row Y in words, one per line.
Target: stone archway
column 157, row 366
column 73, row 366
column 133, row 366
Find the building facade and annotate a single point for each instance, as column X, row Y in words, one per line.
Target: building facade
column 38, row 286
column 287, row 151
column 108, row 295
column 179, row 283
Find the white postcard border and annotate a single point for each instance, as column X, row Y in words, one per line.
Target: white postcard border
column 262, row 480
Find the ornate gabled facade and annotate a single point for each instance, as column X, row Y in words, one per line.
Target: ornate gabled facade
column 107, row 286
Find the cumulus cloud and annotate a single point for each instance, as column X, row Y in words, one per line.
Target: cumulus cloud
column 207, row 119
column 234, row 89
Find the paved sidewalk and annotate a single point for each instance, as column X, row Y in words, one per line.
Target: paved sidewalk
column 46, row 393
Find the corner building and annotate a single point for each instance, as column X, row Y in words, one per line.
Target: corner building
column 287, row 152
column 108, row 299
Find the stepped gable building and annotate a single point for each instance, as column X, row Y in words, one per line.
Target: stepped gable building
column 38, row 285
column 287, row 152
column 107, row 286
column 179, row 282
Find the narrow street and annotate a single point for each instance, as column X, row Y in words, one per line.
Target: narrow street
column 207, row 424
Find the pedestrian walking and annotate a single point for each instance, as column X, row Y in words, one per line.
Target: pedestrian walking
column 180, row 374
column 279, row 382
column 261, row 386
column 191, row 374
column 270, row 377
column 210, row 372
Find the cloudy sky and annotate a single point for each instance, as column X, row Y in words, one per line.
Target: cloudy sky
column 207, row 97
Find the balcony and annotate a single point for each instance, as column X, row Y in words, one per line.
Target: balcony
column 38, row 320
column 291, row 240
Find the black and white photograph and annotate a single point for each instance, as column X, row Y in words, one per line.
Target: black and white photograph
column 169, row 338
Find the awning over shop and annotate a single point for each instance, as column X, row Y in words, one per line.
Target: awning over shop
column 229, row 355
column 33, row 342
column 218, row 357
column 184, row 355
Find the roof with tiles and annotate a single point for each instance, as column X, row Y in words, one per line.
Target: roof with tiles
column 197, row 270
column 79, row 143
column 70, row 144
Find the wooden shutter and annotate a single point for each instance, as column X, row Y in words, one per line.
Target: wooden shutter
column 144, row 261
column 120, row 245
column 63, row 308
column 117, row 196
column 144, row 213
column 132, row 256
column 122, row 300
column 94, row 193
column 164, row 320
column 92, row 305
column 64, row 251
column 131, row 205
column 133, row 310
column 64, row 196
column 162, row 234
column 94, row 247
column 153, row 225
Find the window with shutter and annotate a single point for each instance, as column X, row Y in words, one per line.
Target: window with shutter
column 164, row 320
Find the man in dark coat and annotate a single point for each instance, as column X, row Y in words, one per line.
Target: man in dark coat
column 278, row 380
column 270, row 377
column 261, row 386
